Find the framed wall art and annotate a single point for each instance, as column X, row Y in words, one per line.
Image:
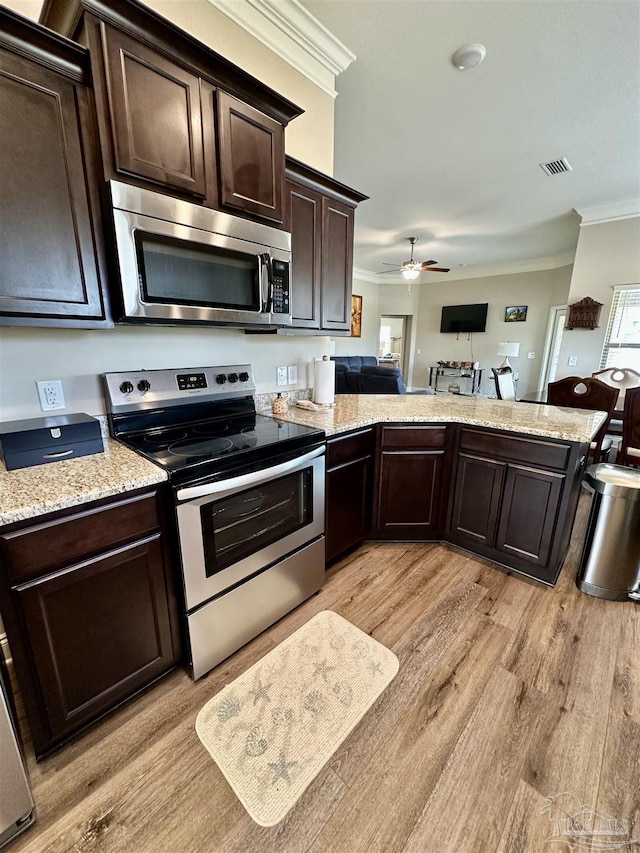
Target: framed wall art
column 356, row 316
column 516, row 314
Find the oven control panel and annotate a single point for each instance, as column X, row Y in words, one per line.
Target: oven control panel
column 144, row 389
column 189, row 381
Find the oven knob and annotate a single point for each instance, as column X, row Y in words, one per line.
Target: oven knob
column 143, row 386
column 221, row 379
column 233, row 377
column 126, row 387
column 244, row 377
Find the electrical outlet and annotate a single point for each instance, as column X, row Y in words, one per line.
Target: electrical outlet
column 51, row 396
column 292, row 374
column 418, row 352
column 281, row 376
column 531, row 355
column 572, row 361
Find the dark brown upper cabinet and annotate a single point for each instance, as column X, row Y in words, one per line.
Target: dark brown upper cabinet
column 303, row 215
column 319, row 212
column 51, row 271
column 251, row 160
column 174, row 114
column 155, row 116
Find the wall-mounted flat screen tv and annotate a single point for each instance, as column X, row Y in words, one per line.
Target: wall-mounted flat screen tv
column 464, row 318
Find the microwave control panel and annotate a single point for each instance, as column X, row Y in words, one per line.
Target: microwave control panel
column 281, row 301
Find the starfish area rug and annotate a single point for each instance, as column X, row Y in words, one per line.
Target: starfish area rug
column 272, row 729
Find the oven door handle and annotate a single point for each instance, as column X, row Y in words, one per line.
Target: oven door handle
column 247, row 479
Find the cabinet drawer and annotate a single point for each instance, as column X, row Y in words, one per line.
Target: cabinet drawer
column 547, row 454
column 406, row 437
column 40, row 548
column 349, row 447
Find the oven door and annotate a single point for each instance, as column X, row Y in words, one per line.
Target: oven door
column 230, row 530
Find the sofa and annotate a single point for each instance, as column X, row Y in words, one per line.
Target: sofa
column 350, row 364
column 363, row 375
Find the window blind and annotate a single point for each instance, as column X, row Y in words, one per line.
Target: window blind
column 622, row 339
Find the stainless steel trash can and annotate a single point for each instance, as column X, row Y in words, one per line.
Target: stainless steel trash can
column 610, row 564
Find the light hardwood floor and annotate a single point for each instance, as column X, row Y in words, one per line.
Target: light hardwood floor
column 508, row 692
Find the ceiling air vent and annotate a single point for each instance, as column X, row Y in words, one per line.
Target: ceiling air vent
column 556, row 167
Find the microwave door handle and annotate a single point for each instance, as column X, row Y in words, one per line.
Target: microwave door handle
column 265, row 260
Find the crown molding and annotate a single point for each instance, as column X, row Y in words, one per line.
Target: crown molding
column 479, row 271
column 595, row 214
column 290, row 31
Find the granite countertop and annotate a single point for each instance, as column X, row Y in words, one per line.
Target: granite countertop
column 359, row 410
column 29, row 492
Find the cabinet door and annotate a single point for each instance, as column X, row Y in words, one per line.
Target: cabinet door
column 530, row 509
column 155, row 115
column 251, row 161
column 337, row 264
column 49, row 267
column 410, row 501
column 98, row 631
column 348, row 496
column 477, row 500
column 303, row 217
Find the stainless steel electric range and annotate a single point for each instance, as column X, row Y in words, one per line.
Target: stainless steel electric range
column 248, row 494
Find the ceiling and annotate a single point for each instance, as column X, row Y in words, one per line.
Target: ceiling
column 453, row 156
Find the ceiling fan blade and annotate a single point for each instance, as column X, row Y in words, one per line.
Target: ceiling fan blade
column 385, row 264
column 436, row 269
column 428, row 263
column 386, row 272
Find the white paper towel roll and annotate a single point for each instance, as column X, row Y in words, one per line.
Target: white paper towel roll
column 324, row 389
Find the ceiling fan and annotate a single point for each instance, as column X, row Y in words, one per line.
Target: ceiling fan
column 411, row 269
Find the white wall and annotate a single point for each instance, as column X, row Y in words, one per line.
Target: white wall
column 538, row 290
column 367, row 344
column 77, row 357
column 607, row 254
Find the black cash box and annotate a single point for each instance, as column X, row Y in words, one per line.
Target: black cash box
column 40, row 440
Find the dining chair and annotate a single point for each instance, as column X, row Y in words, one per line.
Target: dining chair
column 621, row 378
column 629, row 451
column 505, row 386
column 587, row 393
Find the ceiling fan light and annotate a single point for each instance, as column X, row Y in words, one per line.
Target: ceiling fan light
column 469, row 56
column 410, row 274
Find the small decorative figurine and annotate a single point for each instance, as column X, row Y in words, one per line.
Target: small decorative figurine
column 280, row 405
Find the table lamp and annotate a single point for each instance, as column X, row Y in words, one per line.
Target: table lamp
column 507, row 349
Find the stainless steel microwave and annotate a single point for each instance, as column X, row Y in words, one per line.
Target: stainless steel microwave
column 182, row 263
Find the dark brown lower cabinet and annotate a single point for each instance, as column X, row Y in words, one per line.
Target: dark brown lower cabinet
column 412, row 481
column 348, row 491
column 476, row 501
column 97, row 628
column 514, row 499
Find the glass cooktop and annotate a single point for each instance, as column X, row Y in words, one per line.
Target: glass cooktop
column 197, row 449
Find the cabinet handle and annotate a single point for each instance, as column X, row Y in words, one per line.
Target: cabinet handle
column 56, row 455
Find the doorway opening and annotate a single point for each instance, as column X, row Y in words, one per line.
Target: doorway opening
column 555, row 329
column 393, row 339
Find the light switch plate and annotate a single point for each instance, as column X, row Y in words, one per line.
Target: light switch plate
column 281, row 376
column 531, row 355
column 572, row 361
column 292, row 374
